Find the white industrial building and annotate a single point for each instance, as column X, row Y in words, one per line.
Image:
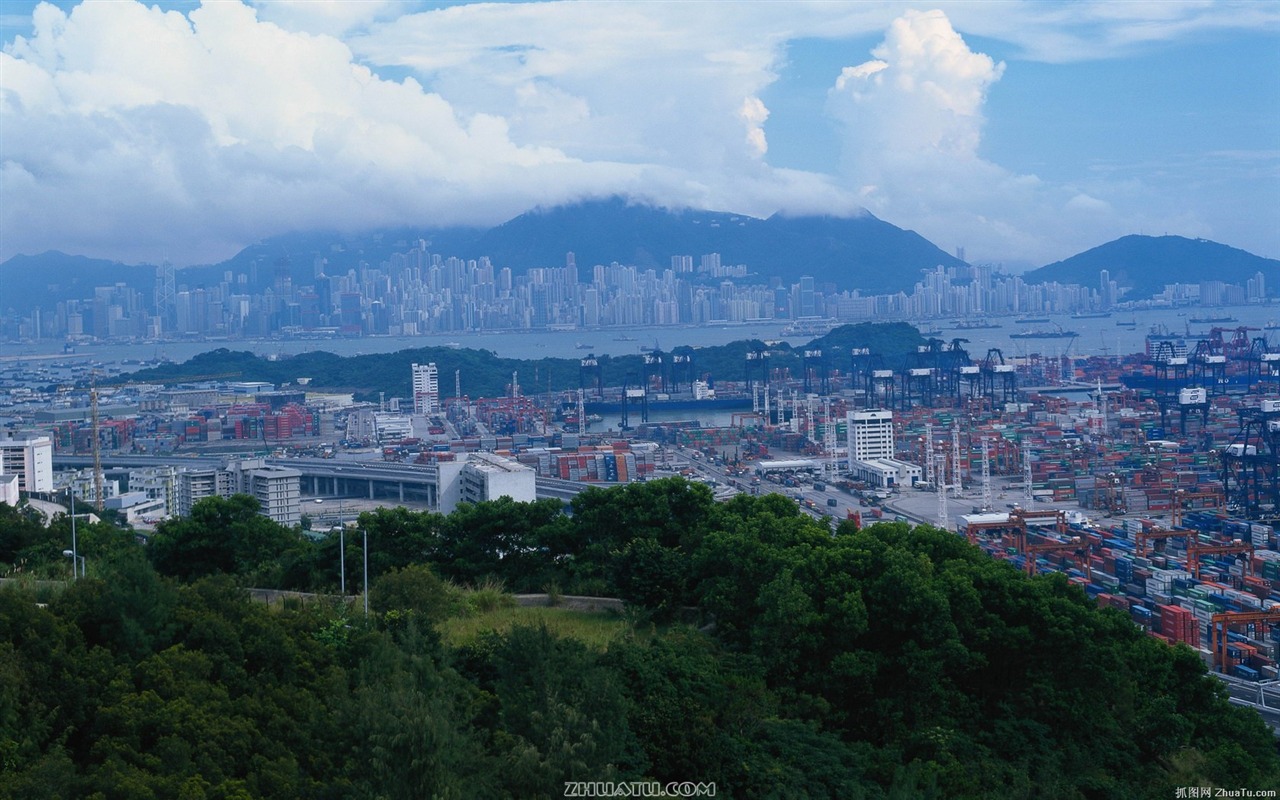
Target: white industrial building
column 426, row 389
column 481, row 477
column 9, row 490
column 31, row 459
column 871, row 451
column 136, row 507
column 787, row 465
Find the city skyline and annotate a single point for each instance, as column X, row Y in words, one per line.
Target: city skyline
column 1022, row 132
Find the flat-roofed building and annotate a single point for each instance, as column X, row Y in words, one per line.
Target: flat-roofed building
column 31, row 459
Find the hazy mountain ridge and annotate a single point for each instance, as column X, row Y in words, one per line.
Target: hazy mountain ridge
column 861, row 252
column 1145, row 264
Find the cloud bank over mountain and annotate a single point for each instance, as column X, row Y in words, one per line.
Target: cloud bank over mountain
column 139, row 133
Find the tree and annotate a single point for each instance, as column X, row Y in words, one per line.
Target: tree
column 222, row 535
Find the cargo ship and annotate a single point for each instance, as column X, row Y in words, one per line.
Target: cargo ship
column 1044, row 334
column 975, row 324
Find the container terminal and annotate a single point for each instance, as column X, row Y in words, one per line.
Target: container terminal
column 1152, row 481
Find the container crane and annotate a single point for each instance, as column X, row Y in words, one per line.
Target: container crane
column 1077, row 548
column 1195, row 550
column 1227, row 619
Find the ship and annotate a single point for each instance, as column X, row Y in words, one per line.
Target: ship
column 975, row 324
column 1032, row 320
column 1126, row 323
column 1212, row 320
column 1091, row 315
column 1044, row 334
column 582, row 346
column 1273, row 325
column 624, row 338
column 810, row 326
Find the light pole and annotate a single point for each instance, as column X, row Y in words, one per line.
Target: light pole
column 366, row 571
column 75, row 552
column 342, row 556
column 71, row 555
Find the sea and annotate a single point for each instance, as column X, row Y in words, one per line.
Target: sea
column 1121, row 333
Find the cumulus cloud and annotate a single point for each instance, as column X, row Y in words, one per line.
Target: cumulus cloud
column 136, row 133
column 227, row 127
column 913, row 121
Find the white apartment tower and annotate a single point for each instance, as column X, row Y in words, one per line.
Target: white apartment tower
column 426, row 389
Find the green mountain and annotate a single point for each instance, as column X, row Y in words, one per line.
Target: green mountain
column 1145, row 264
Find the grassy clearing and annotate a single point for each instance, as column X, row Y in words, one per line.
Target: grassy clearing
column 595, row 629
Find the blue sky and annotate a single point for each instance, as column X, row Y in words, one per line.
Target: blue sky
column 1023, row 131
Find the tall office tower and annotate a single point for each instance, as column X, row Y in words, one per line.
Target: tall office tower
column 426, row 389
column 166, row 295
column 870, row 434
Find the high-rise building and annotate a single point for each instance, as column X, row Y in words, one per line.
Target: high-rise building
column 426, row 389
column 30, row 459
column 870, row 434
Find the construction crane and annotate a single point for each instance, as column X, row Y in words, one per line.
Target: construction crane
column 1227, row 619
column 1195, row 550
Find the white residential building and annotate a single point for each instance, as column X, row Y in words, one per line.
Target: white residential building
column 277, row 489
column 426, row 389
column 31, row 459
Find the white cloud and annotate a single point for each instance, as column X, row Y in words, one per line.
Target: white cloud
column 136, row 133
column 913, row 120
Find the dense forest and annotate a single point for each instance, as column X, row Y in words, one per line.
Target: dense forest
column 488, row 375
column 760, row 651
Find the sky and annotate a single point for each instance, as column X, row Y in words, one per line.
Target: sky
column 1023, row 132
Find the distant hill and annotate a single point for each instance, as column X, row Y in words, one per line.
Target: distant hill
column 860, row 252
column 1144, row 264
column 43, row 280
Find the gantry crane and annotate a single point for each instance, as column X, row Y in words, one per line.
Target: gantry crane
column 1076, row 547
column 1141, row 538
column 1195, row 550
column 1182, row 498
column 1011, row 525
column 1218, row 642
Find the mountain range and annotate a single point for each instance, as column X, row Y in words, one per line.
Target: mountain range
column 861, row 252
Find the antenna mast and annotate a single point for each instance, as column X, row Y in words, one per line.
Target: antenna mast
column 1027, row 496
column 928, row 453
column 986, row 476
column 942, row 490
column 955, row 458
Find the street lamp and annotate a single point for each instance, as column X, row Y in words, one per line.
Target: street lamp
column 72, row 555
column 366, row 571
column 74, row 552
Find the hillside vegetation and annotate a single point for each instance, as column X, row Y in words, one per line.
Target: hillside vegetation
column 762, row 652
column 488, row 375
